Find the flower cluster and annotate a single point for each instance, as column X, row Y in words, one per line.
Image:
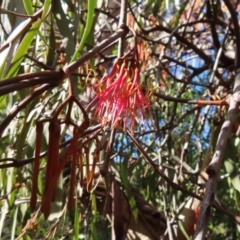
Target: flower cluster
column 120, row 97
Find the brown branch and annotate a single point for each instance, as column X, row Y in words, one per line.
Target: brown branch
column 122, row 22
column 22, row 105
column 70, row 68
column 176, row 186
column 25, row 27
column 22, row 162
column 52, row 76
column 121, row 32
column 197, row 102
column 214, row 167
column 27, row 84
column 181, row 39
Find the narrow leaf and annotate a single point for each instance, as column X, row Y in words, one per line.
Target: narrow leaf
column 88, row 27
column 22, row 49
column 28, row 7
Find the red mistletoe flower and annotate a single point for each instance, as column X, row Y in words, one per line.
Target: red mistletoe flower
column 119, row 95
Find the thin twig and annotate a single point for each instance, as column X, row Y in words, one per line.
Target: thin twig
column 122, row 31
column 18, row 163
column 46, row 76
column 197, row 102
column 234, row 17
column 122, row 22
column 175, row 186
column 22, row 105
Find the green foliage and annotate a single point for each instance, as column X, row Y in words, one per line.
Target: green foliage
column 87, row 28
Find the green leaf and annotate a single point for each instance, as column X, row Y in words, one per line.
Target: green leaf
column 94, row 206
column 94, row 212
column 4, row 212
column 183, row 230
column 52, row 45
column 233, row 174
column 21, row 138
column 13, row 43
column 236, row 142
column 76, row 221
column 46, row 7
column 179, row 13
column 14, row 224
column 23, row 48
column 63, row 24
column 127, row 187
column 28, row 7
column 88, row 27
column 56, row 207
